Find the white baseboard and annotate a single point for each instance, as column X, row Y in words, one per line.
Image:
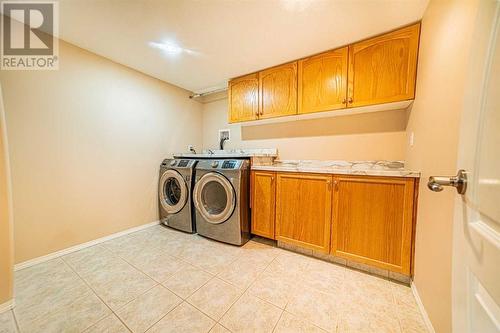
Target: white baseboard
column 427, row 320
column 50, row 256
column 9, row 305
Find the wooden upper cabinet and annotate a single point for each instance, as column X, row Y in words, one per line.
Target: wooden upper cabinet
column 373, row 221
column 322, row 82
column 263, row 188
column 278, row 91
column 303, row 210
column 383, row 69
column 243, row 96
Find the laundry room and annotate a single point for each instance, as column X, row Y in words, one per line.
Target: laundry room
column 249, row 166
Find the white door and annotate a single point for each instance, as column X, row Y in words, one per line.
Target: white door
column 476, row 242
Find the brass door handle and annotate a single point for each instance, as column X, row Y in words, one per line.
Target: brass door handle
column 350, row 100
column 459, row 182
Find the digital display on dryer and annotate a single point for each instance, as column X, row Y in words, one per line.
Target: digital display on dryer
column 183, row 163
column 229, row 165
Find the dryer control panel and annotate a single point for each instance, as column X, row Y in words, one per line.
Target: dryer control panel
column 222, row 164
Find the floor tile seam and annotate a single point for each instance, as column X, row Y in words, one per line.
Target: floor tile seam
column 156, row 322
column 135, row 298
column 96, row 294
column 16, row 322
column 53, row 313
column 140, row 270
column 232, row 303
column 276, row 324
column 185, row 299
column 239, row 297
column 166, row 314
column 195, row 266
column 308, row 321
column 234, row 285
column 253, row 282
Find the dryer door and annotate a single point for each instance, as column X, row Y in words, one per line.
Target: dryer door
column 214, row 197
column 173, row 191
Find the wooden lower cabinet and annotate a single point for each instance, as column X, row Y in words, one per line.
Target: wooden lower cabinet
column 303, row 210
column 373, row 221
column 263, row 187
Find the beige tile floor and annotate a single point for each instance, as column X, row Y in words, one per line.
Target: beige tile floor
column 161, row 280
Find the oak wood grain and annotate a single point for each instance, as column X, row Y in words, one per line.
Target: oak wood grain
column 263, row 203
column 303, row 210
column 278, row 91
column 243, row 97
column 383, row 69
column 322, row 81
column 373, row 221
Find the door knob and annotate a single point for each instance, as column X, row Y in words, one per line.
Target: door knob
column 459, row 182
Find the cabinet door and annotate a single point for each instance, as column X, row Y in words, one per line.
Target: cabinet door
column 323, row 82
column 303, row 210
column 373, row 221
column 383, row 69
column 263, row 203
column 278, row 91
column 243, row 98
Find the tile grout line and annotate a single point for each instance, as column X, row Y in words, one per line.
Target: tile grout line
column 18, row 327
column 249, row 295
column 97, row 295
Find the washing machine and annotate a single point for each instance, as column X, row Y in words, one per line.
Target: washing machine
column 175, row 192
column 221, row 197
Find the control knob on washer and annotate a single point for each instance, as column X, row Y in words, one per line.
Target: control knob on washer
column 215, row 164
column 172, row 163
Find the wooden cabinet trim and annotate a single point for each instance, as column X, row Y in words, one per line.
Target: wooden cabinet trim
column 412, row 33
column 406, row 248
column 341, row 53
column 270, row 231
column 291, row 108
column 233, row 115
column 325, row 247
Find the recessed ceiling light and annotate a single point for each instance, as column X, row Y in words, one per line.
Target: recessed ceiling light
column 170, row 48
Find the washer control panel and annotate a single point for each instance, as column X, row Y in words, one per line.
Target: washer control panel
column 221, row 165
column 230, row 164
column 178, row 163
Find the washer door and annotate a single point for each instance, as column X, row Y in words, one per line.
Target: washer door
column 173, row 191
column 214, row 197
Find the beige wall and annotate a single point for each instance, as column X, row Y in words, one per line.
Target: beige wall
column 435, row 121
column 86, row 143
column 378, row 135
column 6, row 244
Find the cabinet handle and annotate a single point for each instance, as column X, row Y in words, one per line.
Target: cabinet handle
column 350, row 100
column 335, row 187
column 329, row 182
column 344, row 101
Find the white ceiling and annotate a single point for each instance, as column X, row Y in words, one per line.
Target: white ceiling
column 227, row 38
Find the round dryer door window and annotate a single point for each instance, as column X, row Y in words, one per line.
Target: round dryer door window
column 173, row 191
column 214, row 197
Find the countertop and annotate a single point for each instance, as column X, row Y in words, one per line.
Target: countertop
column 368, row 168
column 231, row 153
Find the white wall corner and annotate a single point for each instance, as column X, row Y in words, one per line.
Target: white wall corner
column 63, row 252
column 421, row 307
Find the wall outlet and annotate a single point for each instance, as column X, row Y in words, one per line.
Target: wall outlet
column 224, row 134
column 412, row 139
column 190, row 147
